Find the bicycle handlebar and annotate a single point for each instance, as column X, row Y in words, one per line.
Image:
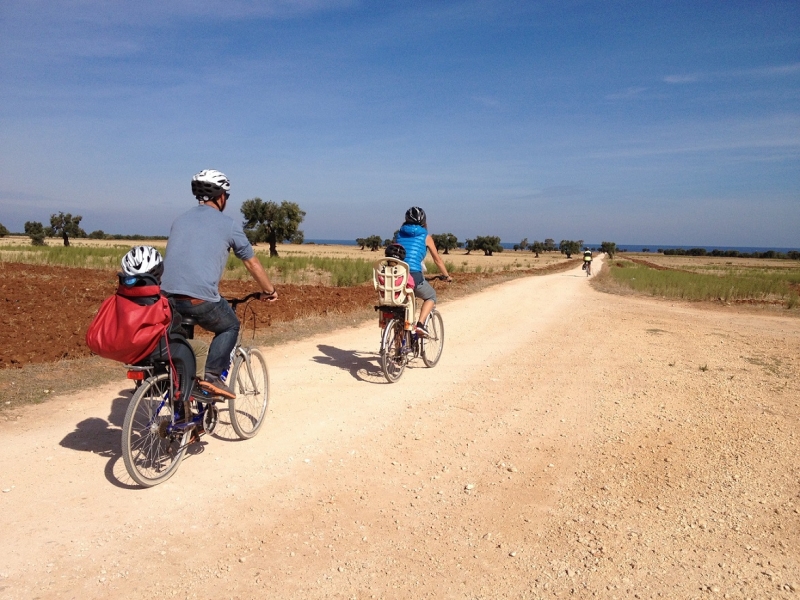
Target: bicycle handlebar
column 234, row 302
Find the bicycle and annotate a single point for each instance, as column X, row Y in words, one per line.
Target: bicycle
column 587, row 266
column 168, row 411
column 397, row 314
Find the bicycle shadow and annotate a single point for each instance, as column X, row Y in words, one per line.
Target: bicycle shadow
column 104, row 438
column 362, row 367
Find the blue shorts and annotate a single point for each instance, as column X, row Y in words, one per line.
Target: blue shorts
column 422, row 289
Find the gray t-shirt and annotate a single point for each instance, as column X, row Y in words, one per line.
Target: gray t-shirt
column 197, row 252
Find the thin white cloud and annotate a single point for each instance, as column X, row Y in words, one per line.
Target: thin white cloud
column 765, row 139
column 769, row 71
column 679, row 79
column 487, row 101
column 148, row 12
column 631, row 92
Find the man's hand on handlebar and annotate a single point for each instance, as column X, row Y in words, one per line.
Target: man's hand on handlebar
column 264, row 296
column 446, row 278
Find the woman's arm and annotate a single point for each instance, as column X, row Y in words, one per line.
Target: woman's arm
column 435, row 256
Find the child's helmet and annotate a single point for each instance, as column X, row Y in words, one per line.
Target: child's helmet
column 396, row 251
column 209, row 184
column 416, row 216
column 143, row 259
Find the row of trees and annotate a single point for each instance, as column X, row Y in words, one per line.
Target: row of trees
column 489, row 244
column 65, row 226
column 264, row 222
column 792, row 254
column 275, row 223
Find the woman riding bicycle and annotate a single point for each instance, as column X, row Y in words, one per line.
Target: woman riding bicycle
column 416, row 240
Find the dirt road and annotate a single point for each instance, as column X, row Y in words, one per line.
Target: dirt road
column 569, row 443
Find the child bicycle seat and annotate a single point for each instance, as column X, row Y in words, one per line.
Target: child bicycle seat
column 392, row 279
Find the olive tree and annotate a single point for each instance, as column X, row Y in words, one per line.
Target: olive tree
column 569, row 247
column 65, row 225
column 488, row 243
column 445, row 242
column 35, row 231
column 609, row 248
column 272, row 223
column 372, row 242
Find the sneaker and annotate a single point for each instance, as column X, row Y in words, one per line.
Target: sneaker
column 422, row 331
column 214, row 384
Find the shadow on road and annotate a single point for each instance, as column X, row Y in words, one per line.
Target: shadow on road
column 362, row 366
column 102, row 437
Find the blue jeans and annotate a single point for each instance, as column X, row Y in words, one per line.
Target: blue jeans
column 220, row 319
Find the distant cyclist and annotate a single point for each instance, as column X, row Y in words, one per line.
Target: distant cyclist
column 197, row 252
column 416, row 240
column 587, row 261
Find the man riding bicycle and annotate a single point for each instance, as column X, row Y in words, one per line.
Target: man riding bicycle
column 416, row 240
column 197, row 252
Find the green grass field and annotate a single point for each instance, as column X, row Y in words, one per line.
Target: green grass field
column 290, row 269
column 734, row 282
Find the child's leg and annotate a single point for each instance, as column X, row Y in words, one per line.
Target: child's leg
column 200, row 354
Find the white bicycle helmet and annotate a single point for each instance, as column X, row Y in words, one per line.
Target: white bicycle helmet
column 209, row 184
column 143, row 259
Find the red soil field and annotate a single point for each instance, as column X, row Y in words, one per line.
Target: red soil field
column 46, row 310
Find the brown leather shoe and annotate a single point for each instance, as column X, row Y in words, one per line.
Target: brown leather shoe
column 215, row 386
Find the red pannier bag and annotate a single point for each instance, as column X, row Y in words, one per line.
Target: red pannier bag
column 129, row 324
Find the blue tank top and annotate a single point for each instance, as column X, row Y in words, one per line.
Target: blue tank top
column 412, row 238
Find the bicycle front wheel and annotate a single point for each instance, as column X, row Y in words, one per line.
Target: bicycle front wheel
column 250, row 382
column 433, row 344
column 150, row 451
column 393, row 361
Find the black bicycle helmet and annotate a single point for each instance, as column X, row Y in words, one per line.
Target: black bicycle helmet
column 416, row 216
column 209, row 184
column 395, row 251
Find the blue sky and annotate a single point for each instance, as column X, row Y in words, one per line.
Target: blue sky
column 652, row 122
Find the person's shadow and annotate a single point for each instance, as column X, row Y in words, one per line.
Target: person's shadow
column 362, row 367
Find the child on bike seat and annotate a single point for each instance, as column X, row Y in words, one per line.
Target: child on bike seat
column 143, row 265
column 396, row 251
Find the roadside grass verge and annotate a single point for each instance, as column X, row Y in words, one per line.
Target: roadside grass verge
column 737, row 284
column 337, row 272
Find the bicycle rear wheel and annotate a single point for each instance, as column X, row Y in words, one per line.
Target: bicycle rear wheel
column 250, row 382
column 151, row 453
column 393, row 361
column 433, row 344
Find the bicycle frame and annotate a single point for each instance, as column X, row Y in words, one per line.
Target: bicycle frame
column 168, row 411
